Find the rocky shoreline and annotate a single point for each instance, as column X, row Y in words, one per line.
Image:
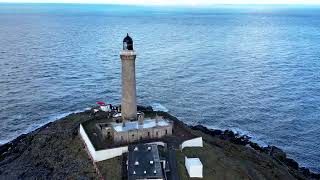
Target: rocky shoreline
column 273, row 151
column 55, row 151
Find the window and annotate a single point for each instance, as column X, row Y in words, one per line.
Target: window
column 157, row 133
column 166, row 131
column 148, row 133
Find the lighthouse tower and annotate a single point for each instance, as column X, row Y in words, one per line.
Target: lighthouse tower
column 128, row 77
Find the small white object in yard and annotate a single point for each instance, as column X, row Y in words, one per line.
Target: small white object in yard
column 194, row 167
column 95, row 110
column 105, row 108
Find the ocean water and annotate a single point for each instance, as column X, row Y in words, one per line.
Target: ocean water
column 252, row 69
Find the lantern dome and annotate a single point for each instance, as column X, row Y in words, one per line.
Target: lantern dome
column 127, row 43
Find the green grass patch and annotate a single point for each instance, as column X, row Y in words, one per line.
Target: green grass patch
column 111, row 168
column 207, row 157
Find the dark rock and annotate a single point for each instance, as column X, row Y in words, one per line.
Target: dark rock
column 201, row 128
column 50, row 152
column 278, row 153
column 229, row 133
column 255, row 146
column 291, row 163
column 314, row 176
column 305, row 171
column 242, row 140
column 144, row 108
column 216, row 132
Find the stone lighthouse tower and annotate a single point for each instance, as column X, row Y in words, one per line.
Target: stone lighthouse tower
column 128, row 77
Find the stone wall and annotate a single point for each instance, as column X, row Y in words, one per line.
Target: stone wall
column 146, row 133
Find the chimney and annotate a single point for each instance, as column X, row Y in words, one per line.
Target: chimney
column 157, row 119
column 141, row 118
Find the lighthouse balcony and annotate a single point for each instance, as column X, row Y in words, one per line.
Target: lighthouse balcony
column 127, row 53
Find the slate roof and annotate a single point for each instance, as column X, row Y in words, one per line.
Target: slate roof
column 144, row 162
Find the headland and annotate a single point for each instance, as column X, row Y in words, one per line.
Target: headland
column 56, row 151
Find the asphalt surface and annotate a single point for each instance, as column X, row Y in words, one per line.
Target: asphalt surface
column 173, row 163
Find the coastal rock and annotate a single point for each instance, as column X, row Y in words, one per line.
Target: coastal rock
column 273, row 151
column 50, row 152
column 278, row 153
column 204, row 129
column 55, row 151
column 144, row 108
column 291, row 163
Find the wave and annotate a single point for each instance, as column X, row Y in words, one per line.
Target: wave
column 159, row 107
column 241, row 132
column 38, row 125
column 62, row 115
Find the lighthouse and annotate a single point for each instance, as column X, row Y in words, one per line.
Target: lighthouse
column 128, row 81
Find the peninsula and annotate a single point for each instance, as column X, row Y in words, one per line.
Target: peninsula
column 56, row 151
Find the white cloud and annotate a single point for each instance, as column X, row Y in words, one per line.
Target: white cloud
column 174, row 2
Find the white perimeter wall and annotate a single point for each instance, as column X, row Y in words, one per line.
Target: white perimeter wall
column 102, row 154
column 109, row 153
column 105, row 154
column 87, row 142
column 196, row 142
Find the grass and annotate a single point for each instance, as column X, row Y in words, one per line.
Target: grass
column 94, row 134
column 229, row 161
column 111, row 168
column 216, row 164
column 205, row 156
column 162, row 151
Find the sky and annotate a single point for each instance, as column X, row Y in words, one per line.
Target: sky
column 173, row 2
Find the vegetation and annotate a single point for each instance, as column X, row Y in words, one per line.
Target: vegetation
column 55, row 151
column 111, row 168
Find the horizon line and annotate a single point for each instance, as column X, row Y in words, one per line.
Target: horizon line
column 165, row 5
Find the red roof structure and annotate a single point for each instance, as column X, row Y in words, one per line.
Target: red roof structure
column 101, row 103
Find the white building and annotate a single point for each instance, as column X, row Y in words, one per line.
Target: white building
column 194, row 167
column 105, row 108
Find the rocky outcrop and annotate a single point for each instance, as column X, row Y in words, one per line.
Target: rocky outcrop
column 275, row 152
column 55, row 151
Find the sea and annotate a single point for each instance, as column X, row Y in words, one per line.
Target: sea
column 253, row 69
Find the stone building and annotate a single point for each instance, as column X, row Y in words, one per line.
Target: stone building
column 134, row 126
column 138, row 130
column 128, row 80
